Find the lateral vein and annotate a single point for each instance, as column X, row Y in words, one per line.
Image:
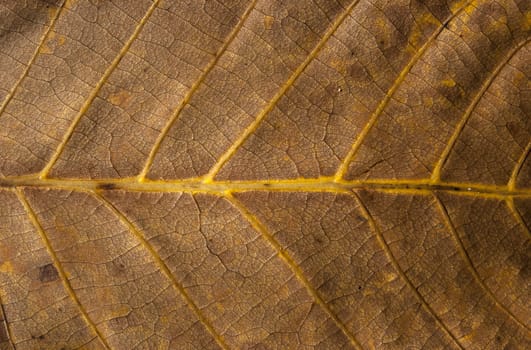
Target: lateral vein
column 256, row 122
column 343, row 167
column 165, row 269
column 436, row 174
column 66, row 283
column 297, row 271
column 470, row 265
column 518, row 166
column 94, row 93
column 398, row 269
column 44, row 38
column 516, row 214
column 192, row 91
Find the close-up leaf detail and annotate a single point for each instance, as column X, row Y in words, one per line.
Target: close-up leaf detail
column 265, row 174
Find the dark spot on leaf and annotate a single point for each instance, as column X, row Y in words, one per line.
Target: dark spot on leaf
column 48, row 273
column 358, row 72
column 118, row 268
column 359, row 287
column 106, row 186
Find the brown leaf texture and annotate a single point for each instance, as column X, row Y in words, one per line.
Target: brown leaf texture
column 256, row 174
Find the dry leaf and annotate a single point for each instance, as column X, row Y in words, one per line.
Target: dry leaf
column 265, row 174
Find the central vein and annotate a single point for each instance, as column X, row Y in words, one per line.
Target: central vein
column 323, row 184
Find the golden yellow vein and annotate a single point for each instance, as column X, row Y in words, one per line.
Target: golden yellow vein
column 464, row 255
column 516, row 214
column 94, row 92
column 7, row 327
column 518, row 166
column 436, row 174
column 284, row 256
column 192, row 91
column 256, row 122
column 343, row 167
column 324, row 184
column 44, row 38
column 164, row 268
column 59, row 267
column 398, row 269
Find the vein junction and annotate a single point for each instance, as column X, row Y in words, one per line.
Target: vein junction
column 323, row 184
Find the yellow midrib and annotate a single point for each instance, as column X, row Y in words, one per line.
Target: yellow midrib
column 323, row 184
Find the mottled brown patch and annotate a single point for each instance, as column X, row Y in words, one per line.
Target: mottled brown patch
column 120, row 98
column 268, row 22
column 48, row 273
column 106, row 186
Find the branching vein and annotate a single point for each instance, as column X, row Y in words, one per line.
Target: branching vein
column 256, row 122
column 165, row 269
column 43, row 40
column 511, row 185
column 468, row 262
column 516, row 214
column 95, row 91
column 436, row 174
column 343, row 167
column 192, row 91
column 518, row 166
column 402, row 274
column 59, row 267
column 258, row 226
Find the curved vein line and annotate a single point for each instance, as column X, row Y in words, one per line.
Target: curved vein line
column 165, row 269
column 95, row 91
column 516, row 214
column 192, row 91
column 511, row 185
column 402, row 274
column 343, row 167
column 468, row 262
column 436, row 174
column 66, row 283
column 43, row 39
column 288, row 260
column 256, row 122
column 7, row 328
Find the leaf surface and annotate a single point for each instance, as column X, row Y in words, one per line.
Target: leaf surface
column 265, row 174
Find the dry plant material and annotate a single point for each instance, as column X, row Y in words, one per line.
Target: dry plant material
column 236, row 174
